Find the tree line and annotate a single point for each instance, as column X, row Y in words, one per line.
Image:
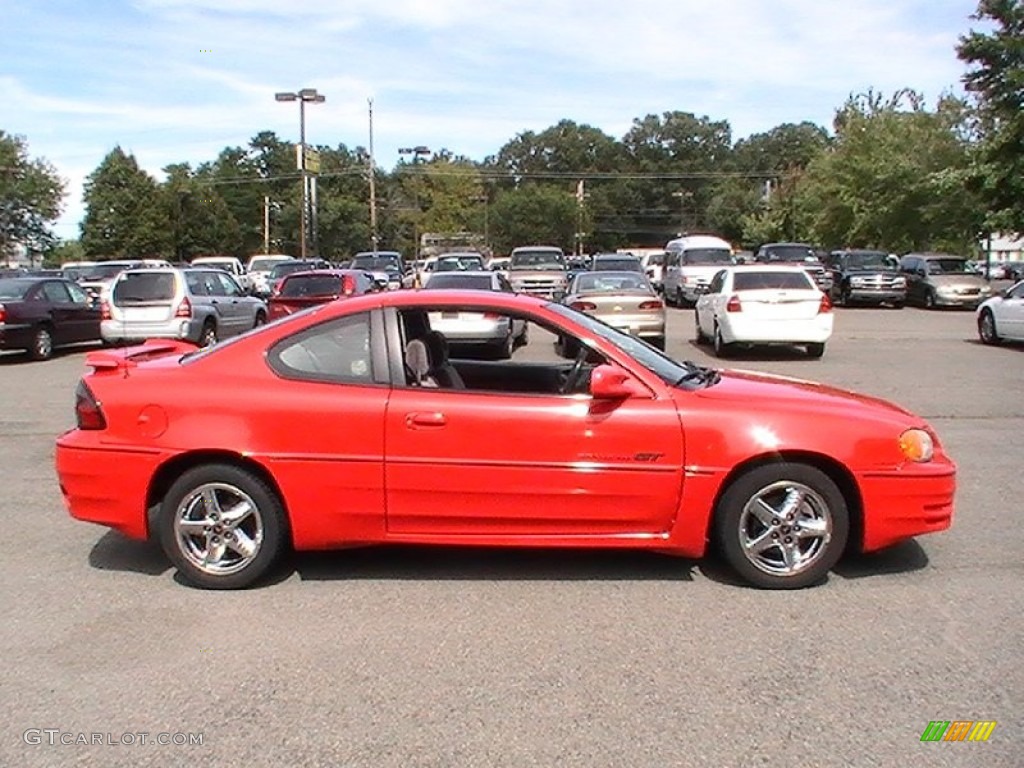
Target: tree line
column 893, row 172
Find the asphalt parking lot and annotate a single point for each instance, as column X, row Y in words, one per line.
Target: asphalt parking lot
column 391, row 657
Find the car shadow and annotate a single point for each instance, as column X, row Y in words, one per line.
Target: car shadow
column 18, row 357
column 905, row 557
column 753, row 353
column 489, row 564
column 116, row 552
column 1017, row 346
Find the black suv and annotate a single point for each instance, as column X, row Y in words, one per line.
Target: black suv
column 866, row 277
column 798, row 254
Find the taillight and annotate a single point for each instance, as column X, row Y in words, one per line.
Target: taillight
column 491, row 315
column 348, row 285
column 650, row 305
column 825, row 305
column 734, row 304
column 583, row 306
column 3, row 313
column 87, row 409
column 105, row 310
column 184, row 308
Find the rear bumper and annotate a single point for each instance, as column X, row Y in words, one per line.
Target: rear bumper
column 15, row 336
column 178, row 328
column 105, row 485
column 901, row 504
column 757, row 330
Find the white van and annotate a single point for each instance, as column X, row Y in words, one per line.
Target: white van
column 690, row 263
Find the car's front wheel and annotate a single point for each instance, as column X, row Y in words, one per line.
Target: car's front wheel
column 42, row 344
column 222, row 526
column 987, row 328
column 782, row 525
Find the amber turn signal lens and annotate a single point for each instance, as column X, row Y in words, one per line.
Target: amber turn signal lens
column 917, row 445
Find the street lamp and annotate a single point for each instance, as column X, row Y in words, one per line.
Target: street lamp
column 303, row 96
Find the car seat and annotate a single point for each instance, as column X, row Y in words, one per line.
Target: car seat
column 417, row 365
column 441, row 369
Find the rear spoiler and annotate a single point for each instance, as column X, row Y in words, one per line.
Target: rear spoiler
column 129, row 357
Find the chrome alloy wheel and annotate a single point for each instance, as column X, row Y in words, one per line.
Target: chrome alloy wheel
column 218, row 528
column 785, row 528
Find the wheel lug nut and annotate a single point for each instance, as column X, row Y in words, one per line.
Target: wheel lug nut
column 776, row 521
column 789, row 540
column 775, row 535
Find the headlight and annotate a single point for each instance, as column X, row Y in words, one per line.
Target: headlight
column 857, row 282
column 946, row 290
column 900, row 282
column 917, row 445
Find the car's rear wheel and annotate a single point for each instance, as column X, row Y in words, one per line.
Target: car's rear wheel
column 721, row 348
column 261, row 319
column 503, row 349
column 42, row 344
column 782, row 525
column 208, row 336
column 221, row 526
column 815, row 351
column 987, row 331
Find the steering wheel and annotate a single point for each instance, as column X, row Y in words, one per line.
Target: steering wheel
column 572, row 379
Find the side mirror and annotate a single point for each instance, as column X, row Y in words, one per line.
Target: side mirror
column 610, row 382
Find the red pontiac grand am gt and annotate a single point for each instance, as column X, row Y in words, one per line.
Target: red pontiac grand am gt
column 354, row 424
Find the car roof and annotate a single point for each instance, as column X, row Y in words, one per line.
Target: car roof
column 467, row 273
column 765, row 268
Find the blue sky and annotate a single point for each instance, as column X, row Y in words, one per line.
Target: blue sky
column 178, row 80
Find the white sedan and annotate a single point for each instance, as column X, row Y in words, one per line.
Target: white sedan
column 760, row 305
column 1002, row 317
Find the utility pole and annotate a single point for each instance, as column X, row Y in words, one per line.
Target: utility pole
column 266, row 224
column 373, row 185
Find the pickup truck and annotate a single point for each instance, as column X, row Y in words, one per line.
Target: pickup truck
column 866, row 277
column 540, row 270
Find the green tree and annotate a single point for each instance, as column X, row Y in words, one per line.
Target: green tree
column 996, row 78
column 201, row 222
column 63, row 252
column 885, row 182
column 534, row 214
column 125, row 217
column 31, row 194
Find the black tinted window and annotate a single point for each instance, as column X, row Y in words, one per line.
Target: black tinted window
column 144, row 286
column 475, row 282
column 311, row 285
column 753, row 281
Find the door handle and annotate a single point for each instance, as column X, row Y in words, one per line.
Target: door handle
column 418, row 420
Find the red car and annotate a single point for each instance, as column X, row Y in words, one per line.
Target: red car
column 349, row 425
column 301, row 290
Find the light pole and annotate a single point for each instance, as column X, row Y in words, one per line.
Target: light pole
column 416, row 152
column 302, row 96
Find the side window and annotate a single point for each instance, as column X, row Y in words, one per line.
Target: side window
column 717, row 282
column 1018, row 292
column 212, row 284
column 77, row 294
column 907, row 265
column 672, row 259
column 337, row 351
column 505, row 284
column 196, row 283
column 228, row 286
column 56, row 293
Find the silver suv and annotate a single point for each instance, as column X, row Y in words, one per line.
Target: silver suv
column 197, row 305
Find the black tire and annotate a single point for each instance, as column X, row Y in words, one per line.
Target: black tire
column 815, row 351
column 208, row 336
column 792, row 556
column 524, row 338
column 897, row 305
column 698, row 334
column 42, row 343
column 987, row 330
column 261, row 319
column 929, row 299
column 264, row 527
column 721, row 348
column 844, row 297
column 503, row 349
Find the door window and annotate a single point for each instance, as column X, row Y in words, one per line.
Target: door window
column 56, row 293
column 336, row 351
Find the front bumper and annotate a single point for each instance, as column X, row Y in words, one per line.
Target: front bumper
column 960, row 300
column 877, row 295
column 906, row 502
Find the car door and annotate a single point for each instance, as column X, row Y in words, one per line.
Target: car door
column 63, row 316
column 706, row 304
column 497, row 464
column 86, row 314
column 1010, row 314
column 228, row 299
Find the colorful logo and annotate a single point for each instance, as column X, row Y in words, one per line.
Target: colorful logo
column 958, row 730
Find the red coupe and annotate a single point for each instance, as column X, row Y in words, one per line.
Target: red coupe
column 350, row 425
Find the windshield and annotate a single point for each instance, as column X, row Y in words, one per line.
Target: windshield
column 287, row 267
column 947, row 267
column 76, row 273
column 656, row 260
column 311, row 285
column 458, row 263
column 611, row 283
column 14, row 289
column 376, row 263
column 263, row 265
column 869, row 259
column 707, row 256
column 106, row 271
column 791, row 253
column 545, row 259
column 140, row 287
column 454, row 280
column 781, row 281
column 624, row 264
column 665, row 368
